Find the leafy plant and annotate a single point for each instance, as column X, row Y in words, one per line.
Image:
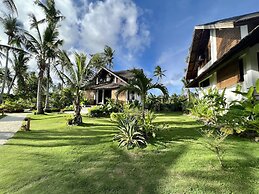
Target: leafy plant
column 213, row 140
column 129, row 134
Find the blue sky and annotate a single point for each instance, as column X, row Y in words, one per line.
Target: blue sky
column 143, row 33
column 171, row 26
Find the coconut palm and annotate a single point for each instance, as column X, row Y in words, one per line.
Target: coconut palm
column 52, row 17
column 10, row 5
column 20, row 68
column 159, row 73
column 75, row 76
column 141, row 84
column 12, row 29
column 40, row 46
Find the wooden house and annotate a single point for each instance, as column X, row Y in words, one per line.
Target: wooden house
column 105, row 84
column 225, row 53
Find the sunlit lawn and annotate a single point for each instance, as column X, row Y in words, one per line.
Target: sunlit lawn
column 54, row 158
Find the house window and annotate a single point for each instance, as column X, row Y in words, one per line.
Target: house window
column 258, row 60
column 205, row 83
column 241, row 70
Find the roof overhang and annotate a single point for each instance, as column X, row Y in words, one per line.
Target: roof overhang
column 215, row 26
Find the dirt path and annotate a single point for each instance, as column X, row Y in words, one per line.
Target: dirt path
column 9, row 125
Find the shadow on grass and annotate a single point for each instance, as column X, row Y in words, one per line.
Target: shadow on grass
column 111, row 170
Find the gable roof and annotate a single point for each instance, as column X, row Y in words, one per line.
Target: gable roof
column 124, row 75
column 229, row 22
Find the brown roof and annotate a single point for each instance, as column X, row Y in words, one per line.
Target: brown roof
column 126, row 74
column 106, row 86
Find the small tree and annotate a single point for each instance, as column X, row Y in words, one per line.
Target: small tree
column 141, row 84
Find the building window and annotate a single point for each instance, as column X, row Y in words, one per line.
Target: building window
column 241, row 70
column 205, row 83
column 258, row 60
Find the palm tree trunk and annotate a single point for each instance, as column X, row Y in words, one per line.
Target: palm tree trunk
column 39, row 93
column 143, row 99
column 47, row 88
column 78, row 117
column 11, row 84
column 5, row 75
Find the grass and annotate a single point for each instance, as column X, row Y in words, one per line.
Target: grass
column 54, row 158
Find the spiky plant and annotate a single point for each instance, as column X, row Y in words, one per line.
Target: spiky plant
column 129, row 135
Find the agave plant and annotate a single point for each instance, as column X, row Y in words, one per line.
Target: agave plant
column 129, row 135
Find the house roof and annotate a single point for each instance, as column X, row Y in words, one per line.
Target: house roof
column 124, row 75
column 106, row 86
column 250, row 40
column 229, row 22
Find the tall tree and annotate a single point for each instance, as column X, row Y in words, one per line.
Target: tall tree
column 20, row 69
column 52, row 17
column 159, row 73
column 40, row 45
column 12, row 29
column 141, row 84
column 10, row 5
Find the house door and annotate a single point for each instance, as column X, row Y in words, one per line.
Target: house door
column 100, row 96
column 107, row 94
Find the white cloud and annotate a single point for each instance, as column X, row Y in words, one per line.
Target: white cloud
column 88, row 27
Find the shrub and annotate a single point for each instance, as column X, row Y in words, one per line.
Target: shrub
column 12, row 106
column 69, row 108
column 97, row 111
column 129, row 134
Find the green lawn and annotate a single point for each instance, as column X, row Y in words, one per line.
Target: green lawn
column 54, row 158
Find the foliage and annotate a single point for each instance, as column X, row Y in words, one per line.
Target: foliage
column 13, row 106
column 173, row 103
column 97, row 111
column 244, row 114
column 129, row 134
column 106, row 109
column 61, row 99
column 213, row 140
column 210, row 106
column 141, row 84
column 148, row 127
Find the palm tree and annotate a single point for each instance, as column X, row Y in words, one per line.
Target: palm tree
column 20, row 69
column 75, row 76
column 159, row 73
column 141, row 84
column 10, row 5
column 40, row 45
column 53, row 16
column 12, row 29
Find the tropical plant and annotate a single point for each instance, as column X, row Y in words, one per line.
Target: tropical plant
column 10, row 5
column 129, row 134
column 141, row 84
column 13, row 29
column 243, row 115
column 52, row 17
column 159, row 73
column 213, row 140
column 75, row 76
column 20, row 69
column 40, row 46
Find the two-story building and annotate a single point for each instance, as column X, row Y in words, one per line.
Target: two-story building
column 105, row 84
column 225, row 53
